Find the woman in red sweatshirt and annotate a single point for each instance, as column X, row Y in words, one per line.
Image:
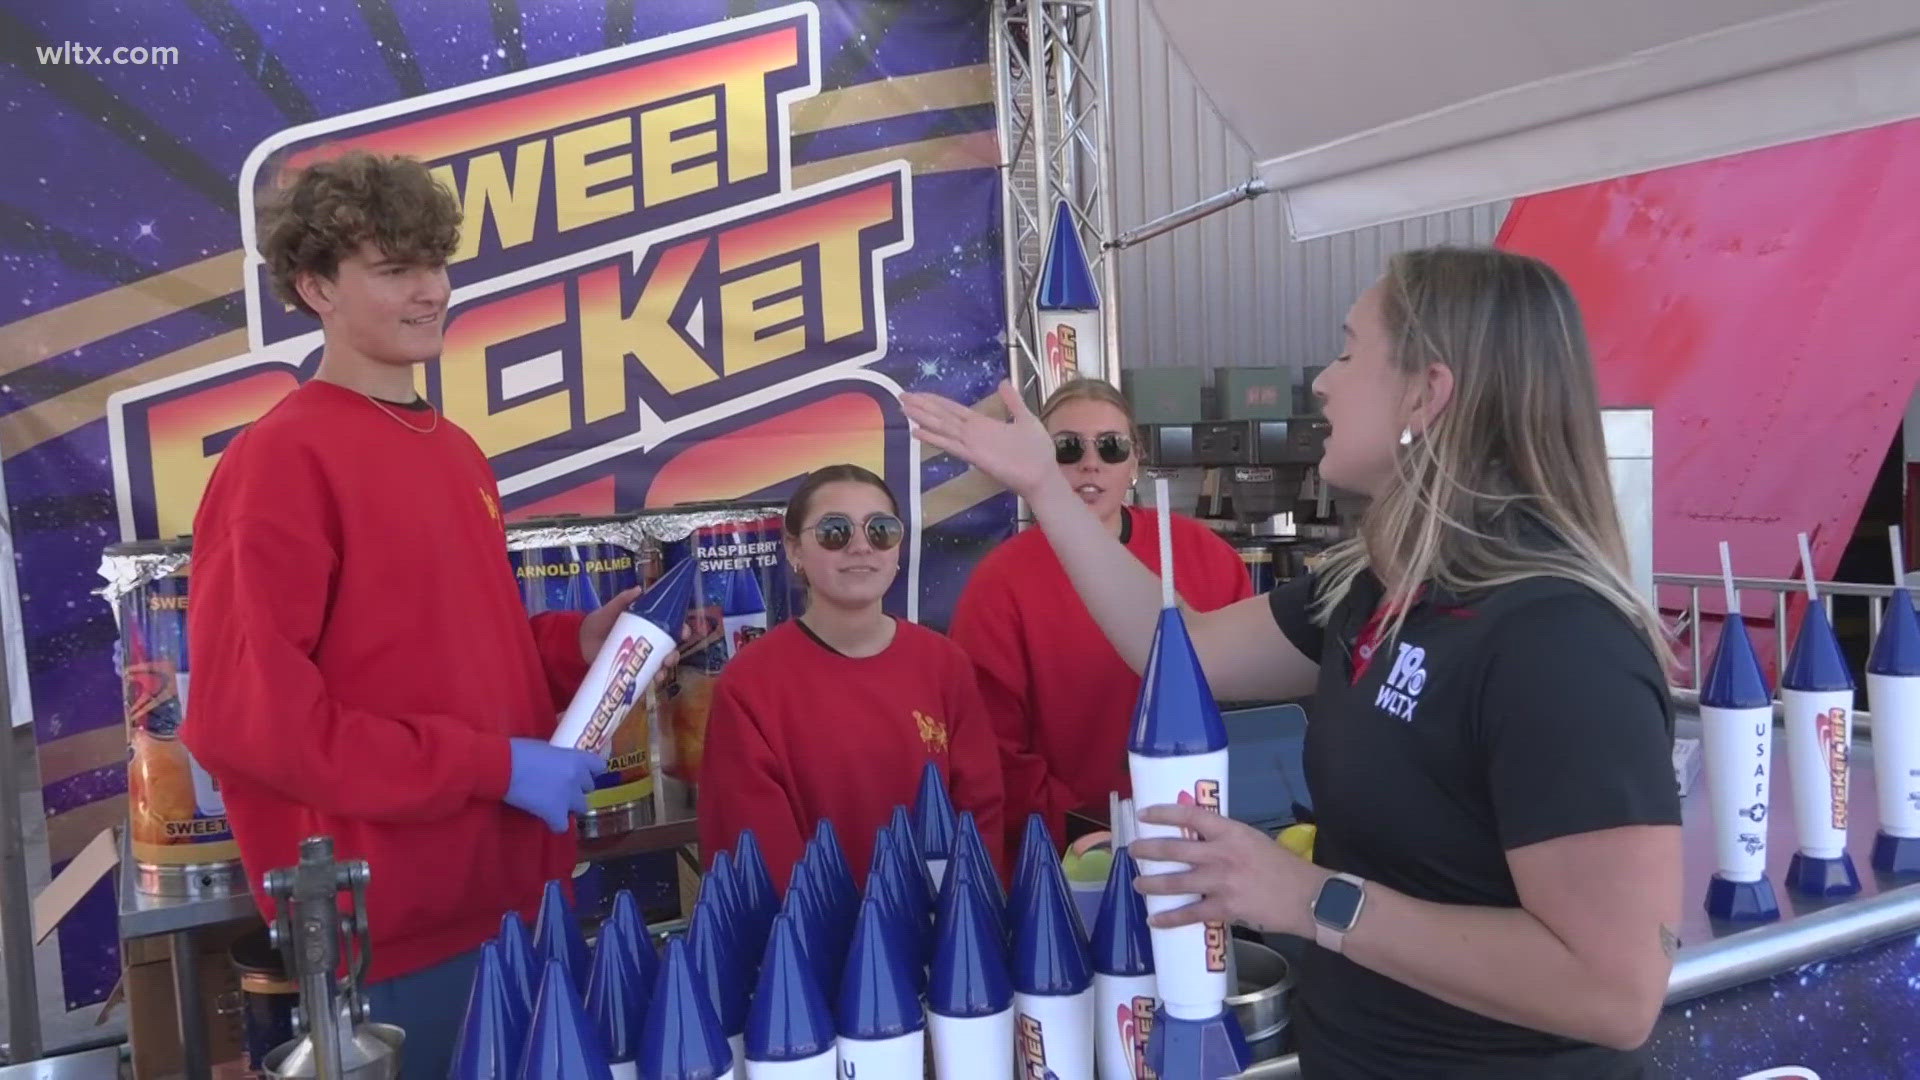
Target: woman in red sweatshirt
column 1060, row 696
column 835, row 714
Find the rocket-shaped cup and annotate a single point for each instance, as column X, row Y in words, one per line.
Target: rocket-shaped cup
column 881, row 1025
column 1816, row 694
column 562, row 1042
column 635, row 648
column 1736, row 721
column 1178, row 755
column 933, row 822
column 682, row 1039
column 969, row 990
column 1124, row 990
column 1893, row 693
column 493, row 1031
column 1052, row 982
column 790, row 1033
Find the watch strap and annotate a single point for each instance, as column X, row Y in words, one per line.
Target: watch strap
column 1334, row 938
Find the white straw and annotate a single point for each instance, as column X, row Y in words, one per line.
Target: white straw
column 1113, row 817
column 1161, row 503
column 1726, row 576
column 1806, row 566
column 1899, row 566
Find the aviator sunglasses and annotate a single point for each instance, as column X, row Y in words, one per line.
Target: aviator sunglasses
column 835, row 531
column 1113, row 447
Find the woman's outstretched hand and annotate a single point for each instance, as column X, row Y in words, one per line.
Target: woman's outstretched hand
column 1017, row 452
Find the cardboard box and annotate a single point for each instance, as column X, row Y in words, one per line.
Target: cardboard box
column 153, row 1024
column 1163, row 395
column 1252, row 393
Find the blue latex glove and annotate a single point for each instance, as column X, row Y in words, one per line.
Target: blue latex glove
column 550, row 782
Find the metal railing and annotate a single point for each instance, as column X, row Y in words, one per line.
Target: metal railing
column 1834, row 595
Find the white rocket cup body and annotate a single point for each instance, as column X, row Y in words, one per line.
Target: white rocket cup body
column 738, row 1044
column 1122, row 1017
column 1819, row 730
column 621, row 671
column 1739, row 753
column 1896, row 752
column 1072, row 346
column 937, row 868
column 1190, row 962
column 972, row 1047
column 872, row 1059
column 822, row 1066
column 1054, row 1034
column 624, row 1070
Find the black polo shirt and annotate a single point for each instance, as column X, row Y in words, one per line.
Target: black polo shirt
column 1495, row 720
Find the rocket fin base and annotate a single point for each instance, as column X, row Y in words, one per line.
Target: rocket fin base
column 1822, row 877
column 1896, row 854
column 1197, row 1049
column 1742, row 901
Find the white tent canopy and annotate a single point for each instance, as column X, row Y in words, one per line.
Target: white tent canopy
column 1367, row 111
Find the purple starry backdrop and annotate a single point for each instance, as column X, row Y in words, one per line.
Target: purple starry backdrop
column 1850, row 1016
column 133, row 172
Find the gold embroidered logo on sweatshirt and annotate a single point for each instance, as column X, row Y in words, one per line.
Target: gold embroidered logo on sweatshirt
column 933, row 733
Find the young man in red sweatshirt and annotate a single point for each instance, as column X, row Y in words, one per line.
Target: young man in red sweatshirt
column 364, row 667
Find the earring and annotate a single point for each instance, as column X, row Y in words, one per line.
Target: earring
column 1406, row 436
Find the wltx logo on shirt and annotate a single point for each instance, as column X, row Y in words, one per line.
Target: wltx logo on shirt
column 1401, row 692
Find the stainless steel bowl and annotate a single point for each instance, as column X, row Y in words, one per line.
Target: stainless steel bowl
column 1264, row 981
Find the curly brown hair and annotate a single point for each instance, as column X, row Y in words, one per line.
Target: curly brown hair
column 327, row 210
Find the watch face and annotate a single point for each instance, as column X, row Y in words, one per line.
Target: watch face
column 1337, row 904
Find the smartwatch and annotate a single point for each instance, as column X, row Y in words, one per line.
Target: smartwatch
column 1336, row 909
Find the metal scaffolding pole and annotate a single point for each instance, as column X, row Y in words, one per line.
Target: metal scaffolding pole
column 1051, row 61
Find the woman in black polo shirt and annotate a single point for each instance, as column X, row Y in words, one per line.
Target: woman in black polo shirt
column 1497, row 872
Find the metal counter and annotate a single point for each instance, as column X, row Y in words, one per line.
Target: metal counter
column 1715, row 956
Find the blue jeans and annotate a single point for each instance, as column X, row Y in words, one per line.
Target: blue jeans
column 428, row 1005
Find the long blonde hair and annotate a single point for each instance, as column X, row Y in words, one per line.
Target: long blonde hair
column 1510, row 480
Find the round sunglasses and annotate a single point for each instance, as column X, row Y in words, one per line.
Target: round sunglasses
column 835, row 531
column 1113, row 447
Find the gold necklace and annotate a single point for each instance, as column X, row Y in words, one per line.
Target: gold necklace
column 398, row 419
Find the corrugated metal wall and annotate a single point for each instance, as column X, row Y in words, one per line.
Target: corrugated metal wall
column 1234, row 289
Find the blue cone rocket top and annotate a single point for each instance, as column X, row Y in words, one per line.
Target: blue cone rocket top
column 1176, row 714
column 666, row 601
column 969, row 976
column 907, row 845
column 788, row 1019
column 962, row 873
column 713, row 943
column 722, row 881
column 834, row 868
column 810, row 927
column 878, row 996
column 1121, row 945
column 1066, row 281
column 1734, row 679
column 969, row 845
column 626, row 915
column 1816, row 663
column 562, row 1043
column 884, row 885
column 682, row 1039
column 1036, row 851
column 1897, row 650
column 1049, row 955
column 616, row 998
column 933, row 820
column 556, row 935
column 519, row 961
column 495, row 1025
column 755, row 882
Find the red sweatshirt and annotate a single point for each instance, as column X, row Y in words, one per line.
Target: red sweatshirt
column 800, row 732
column 1061, row 697
column 361, row 657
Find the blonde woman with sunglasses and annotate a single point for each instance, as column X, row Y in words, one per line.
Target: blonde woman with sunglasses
column 835, row 714
column 1060, row 695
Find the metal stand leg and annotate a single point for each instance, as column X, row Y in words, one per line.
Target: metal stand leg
column 193, row 1019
